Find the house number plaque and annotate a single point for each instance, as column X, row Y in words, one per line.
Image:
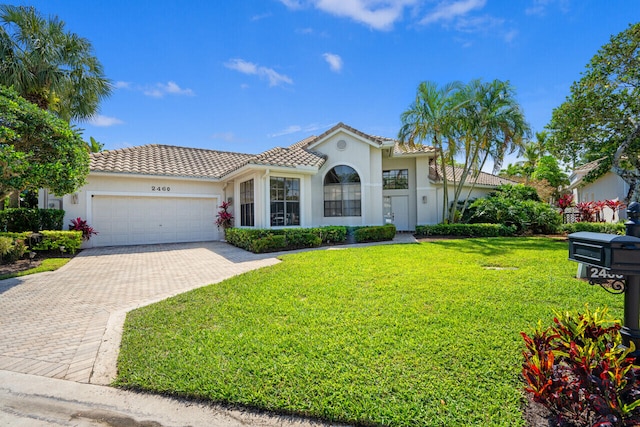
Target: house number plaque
column 607, row 280
column 159, row 188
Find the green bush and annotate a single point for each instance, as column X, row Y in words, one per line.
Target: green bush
column 30, row 219
column 466, row 230
column 260, row 240
column 51, row 219
column 331, row 234
column 595, row 227
column 53, row 240
column 12, row 247
column 376, row 233
column 518, row 192
column 526, row 216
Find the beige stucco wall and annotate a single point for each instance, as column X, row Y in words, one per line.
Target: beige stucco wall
column 367, row 162
column 79, row 204
column 608, row 187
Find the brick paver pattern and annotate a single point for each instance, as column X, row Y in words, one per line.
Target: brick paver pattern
column 52, row 324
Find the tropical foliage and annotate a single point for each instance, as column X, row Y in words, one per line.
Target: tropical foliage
column 578, row 369
column 600, row 120
column 48, row 66
column 37, row 149
column 468, row 125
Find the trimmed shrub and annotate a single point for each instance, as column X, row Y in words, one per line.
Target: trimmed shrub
column 30, row 219
column 53, row 240
column 260, row 240
column 272, row 243
column 376, row 233
column 12, row 247
column 51, row 219
column 595, row 227
column 466, row 230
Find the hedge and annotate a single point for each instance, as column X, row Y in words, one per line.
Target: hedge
column 596, row 227
column 31, row 219
column 466, row 230
column 377, row 233
column 273, row 240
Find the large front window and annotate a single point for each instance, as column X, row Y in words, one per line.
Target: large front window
column 246, row 203
column 285, row 201
column 342, row 192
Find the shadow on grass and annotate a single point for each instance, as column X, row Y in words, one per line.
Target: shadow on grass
column 493, row 246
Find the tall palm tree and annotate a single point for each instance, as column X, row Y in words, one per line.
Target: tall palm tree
column 430, row 119
column 496, row 123
column 48, row 66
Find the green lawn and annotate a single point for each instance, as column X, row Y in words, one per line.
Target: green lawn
column 397, row 335
column 49, row 264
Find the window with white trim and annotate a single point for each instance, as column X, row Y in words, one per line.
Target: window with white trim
column 246, row 204
column 342, row 192
column 285, row 201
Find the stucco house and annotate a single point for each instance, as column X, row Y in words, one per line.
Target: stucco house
column 608, row 187
column 162, row 194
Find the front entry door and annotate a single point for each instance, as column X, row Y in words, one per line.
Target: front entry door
column 396, row 211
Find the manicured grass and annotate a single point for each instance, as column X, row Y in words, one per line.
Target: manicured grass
column 49, row 264
column 398, row 335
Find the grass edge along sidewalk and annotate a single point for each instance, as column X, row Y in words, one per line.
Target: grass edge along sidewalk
column 396, row 335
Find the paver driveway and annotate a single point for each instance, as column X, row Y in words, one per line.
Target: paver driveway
column 65, row 324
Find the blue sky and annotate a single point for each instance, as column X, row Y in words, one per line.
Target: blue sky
column 249, row 75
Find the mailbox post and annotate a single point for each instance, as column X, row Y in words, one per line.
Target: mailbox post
column 616, row 258
column 631, row 327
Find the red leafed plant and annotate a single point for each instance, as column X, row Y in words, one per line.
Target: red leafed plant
column 615, row 205
column 565, row 201
column 80, row 224
column 587, row 211
column 224, row 218
column 579, row 371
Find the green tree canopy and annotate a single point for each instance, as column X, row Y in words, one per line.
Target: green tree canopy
column 473, row 123
column 49, row 66
column 601, row 117
column 37, row 149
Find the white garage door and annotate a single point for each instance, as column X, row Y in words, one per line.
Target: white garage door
column 145, row 220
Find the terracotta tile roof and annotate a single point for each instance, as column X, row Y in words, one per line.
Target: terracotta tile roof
column 167, row 160
column 483, row 178
column 379, row 140
column 289, row 157
column 400, row 149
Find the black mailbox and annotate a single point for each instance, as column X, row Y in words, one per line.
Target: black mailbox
column 617, row 253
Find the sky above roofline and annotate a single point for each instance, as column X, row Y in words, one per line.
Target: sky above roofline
column 251, row 75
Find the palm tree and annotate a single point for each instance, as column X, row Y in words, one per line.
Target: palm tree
column 495, row 126
column 48, row 66
column 430, row 118
column 94, row 146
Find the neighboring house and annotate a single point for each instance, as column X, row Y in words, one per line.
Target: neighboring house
column 608, row 187
column 163, row 194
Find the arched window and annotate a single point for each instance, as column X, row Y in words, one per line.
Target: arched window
column 342, row 192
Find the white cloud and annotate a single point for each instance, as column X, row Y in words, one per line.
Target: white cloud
column 261, row 17
column 539, row 7
column 297, row 128
column 122, row 85
column 246, row 67
column 449, row 10
column 104, row 121
column 377, row 14
column 169, row 88
column 334, row 61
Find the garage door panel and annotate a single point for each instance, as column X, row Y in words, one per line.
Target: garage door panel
column 144, row 220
